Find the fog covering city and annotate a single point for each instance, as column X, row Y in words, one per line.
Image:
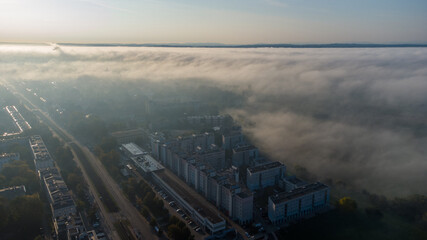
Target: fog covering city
column 350, row 116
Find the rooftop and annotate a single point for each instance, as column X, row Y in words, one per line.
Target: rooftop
column 147, row 163
column 294, row 180
column 298, row 192
column 244, row 194
column 133, row 149
column 242, row 148
column 265, row 167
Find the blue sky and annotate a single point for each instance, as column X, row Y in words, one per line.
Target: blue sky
column 218, row 21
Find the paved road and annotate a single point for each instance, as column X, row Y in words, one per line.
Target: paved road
column 127, row 210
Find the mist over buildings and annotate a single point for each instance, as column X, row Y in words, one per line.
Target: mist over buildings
column 355, row 115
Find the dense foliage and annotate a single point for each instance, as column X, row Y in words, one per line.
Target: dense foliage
column 20, row 218
column 178, row 230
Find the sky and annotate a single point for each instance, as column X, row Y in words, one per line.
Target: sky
column 352, row 115
column 219, row 21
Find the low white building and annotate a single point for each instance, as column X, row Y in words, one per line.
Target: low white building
column 132, row 150
column 146, row 163
column 302, row 202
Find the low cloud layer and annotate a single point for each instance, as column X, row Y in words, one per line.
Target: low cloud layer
column 356, row 115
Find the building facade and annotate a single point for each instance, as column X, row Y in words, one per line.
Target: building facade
column 302, row 202
column 264, row 175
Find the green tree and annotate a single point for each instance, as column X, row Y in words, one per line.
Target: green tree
column 347, row 204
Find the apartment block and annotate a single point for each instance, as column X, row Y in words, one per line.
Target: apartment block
column 264, row 175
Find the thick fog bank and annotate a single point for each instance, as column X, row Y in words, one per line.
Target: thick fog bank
column 356, row 115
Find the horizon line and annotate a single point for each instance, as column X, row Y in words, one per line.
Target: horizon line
column 223, row 45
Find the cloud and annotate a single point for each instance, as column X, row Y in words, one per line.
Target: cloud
column 356, row 115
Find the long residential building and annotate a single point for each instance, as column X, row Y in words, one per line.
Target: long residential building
column 19, row 121
column 42, row 158
column 60, row 199
column 201, row 165
column 66, row 220
column 264, row 175
column 210, row 220
column 162, row 149
column 301, row 202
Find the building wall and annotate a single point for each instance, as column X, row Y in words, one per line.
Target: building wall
column 230, row 141
column 204, row 222
column 243, row 209
column 216, row 159
column 265, row 178
column 163, row 156
column 226, row 200
column 192, row 171
column 240, row 158
column 299, row 207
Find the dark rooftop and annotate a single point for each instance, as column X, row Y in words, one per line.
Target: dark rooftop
column 264, row 167
column 244, row 194
column 298, row 192
column 294, row 180
column 243, row 148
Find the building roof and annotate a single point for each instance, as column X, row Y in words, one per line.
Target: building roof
column 243, row 148
column 265, row 167
column 294, row 180
column 244, row 194
column 298, row 192
column 147, row 163
column 133, row 149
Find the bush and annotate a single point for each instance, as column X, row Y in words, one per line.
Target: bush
column 347, row 204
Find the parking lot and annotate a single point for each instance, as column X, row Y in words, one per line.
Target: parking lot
column 176, row 210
